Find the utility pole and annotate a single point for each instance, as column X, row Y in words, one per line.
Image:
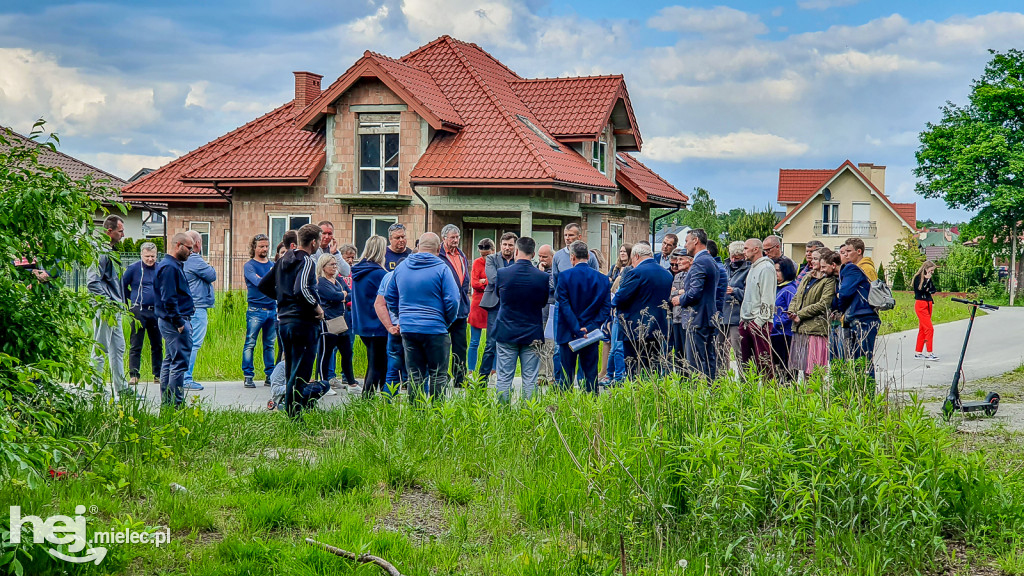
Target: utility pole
column 1013, row 265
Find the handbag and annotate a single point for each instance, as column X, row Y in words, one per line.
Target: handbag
column 337, row 325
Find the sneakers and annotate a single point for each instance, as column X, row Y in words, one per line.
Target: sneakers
column 931, row 357
column 330, row 392
column 336, row 384
column 355, row 389
column 193, row 386
column 267, row 382
column 249, row 383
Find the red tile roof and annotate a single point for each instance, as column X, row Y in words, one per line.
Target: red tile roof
column 578, row 106
column 269, row 150
column 908, row 209
column 797, row 185
column 644, row 183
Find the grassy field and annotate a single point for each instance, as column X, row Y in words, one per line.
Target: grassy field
column 666, row 477
column 221, row 355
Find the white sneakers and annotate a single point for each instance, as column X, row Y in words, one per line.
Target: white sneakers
column 930, row 357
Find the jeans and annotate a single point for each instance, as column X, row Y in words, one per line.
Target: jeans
column 177, row 349
column 110, row 342
column 257, row 320
column 146, row 326
column 199, row 322
column 837, row 343
column 426, row 356
column 616, row 359
column 861, row 335
column 397, row 370
column 588, row 358
column 474, row 347
column 700, row 350
column 300, row 341
column 642, row 356
column 376, row 364
column 487, row 363
column 457, row 336
column 528, row 356
column 346, row 343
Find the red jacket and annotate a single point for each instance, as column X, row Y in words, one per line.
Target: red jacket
column 478, row 281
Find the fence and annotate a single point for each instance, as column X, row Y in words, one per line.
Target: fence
column 227, row 267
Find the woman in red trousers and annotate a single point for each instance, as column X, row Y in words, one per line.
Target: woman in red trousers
column 923, row 304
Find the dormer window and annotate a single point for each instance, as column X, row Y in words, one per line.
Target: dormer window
column 600, row 152
column 378, row 153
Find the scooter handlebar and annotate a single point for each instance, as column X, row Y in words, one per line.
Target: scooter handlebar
column 978, row 303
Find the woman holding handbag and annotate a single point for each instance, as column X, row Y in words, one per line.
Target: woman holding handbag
column 333, row 326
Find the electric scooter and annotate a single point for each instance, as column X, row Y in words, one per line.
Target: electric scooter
column 953, row 403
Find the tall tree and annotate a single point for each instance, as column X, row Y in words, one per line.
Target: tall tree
column 703, row 213
column 753, row 225
column 974, row 158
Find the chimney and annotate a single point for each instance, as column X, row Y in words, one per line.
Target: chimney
column 876, row 174
column 307, row 88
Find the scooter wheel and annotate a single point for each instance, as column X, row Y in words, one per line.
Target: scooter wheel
column 993, row 404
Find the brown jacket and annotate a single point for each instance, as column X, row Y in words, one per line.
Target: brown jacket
column 812, row 303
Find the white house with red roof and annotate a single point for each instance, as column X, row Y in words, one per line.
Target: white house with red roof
column 833, row 205
column 445, row 134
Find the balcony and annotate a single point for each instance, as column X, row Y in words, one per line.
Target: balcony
column 845, row 228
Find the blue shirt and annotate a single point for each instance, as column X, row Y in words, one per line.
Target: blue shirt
column 138, row 285
column 254, row 272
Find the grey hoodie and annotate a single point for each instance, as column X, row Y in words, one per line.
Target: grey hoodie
column 759, row 294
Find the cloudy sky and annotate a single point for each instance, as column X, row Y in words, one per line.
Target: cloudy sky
column 726, row 94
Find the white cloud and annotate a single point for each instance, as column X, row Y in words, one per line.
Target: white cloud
column 733, row 146
column 197, row 94
column 824, row 4
column 718, row 21
column 369, row 27
column 489, row 21
column 34, row 85
column 859, row 63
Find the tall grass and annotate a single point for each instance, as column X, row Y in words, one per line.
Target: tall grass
column 737, row 478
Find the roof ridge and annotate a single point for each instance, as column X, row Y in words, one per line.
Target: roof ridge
column 56, row 151
column 274, row 124
column 513, row 123
column 558, row 78
column 488, row 54
column 669, row 184
column 423, row 48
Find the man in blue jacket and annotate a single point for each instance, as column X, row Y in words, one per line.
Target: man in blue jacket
column 859, row 318
column 642, row 305
column 519, row 328
column 261, row 312
column 583, row 299
column 425, row 296
column 460, row 268
column 140, row 296
column 174, row 310
column 701, row 294
column 201, row 277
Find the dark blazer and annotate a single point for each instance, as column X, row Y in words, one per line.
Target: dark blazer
column 464, row 291
column 723, row 284
column 522, row 291
column 701, row 290
column 492, row 264
column 642, row 301
column 583, row 297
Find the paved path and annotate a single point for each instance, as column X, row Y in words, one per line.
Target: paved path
column 996, row 347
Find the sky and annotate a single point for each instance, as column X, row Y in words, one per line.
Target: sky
column 725, row 93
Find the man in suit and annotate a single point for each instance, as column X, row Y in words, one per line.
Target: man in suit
column 642, row 306
column 501, row 259
column 701, row 294
column 583, row 298
column 460, row 267
column 664, row 258
column 522, row 292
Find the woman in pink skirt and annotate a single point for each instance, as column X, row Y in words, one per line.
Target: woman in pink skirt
column 809, row 311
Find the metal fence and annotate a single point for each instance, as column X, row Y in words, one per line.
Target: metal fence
column 230, row 273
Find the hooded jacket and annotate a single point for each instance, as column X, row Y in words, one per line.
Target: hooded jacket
column 738, row 281
column 852, row 295
column 366, row 278
column 867, row 266
column 759, row 295
column 292, row 283
column 425, row 294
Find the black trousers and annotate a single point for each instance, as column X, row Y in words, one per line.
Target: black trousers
column 643, row 357
column 300, row 341
column 490, row 351
column 426, row 356
column 679, row 346
column 700, row 350
column 329, row 344
column 588, row 358
column 459, row 344
column 147, row 327
column 376, row 364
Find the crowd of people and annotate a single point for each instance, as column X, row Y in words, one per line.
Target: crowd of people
column 422, row 314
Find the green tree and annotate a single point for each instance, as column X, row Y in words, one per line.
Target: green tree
column 906, row 260
column 703, row 213
column 974, row 157
column 964, row 268
column 753, row 225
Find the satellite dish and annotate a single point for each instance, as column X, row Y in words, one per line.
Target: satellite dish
column 827, row 194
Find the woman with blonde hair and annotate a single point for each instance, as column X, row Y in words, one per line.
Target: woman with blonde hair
column 366, row 278
column 332, row 300
column 809, row 310
column 924, row 287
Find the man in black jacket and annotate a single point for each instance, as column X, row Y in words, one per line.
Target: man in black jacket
column 292, row 282
column 174, row 310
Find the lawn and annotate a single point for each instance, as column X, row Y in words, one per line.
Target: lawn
column 221, row 355
column 667, row 477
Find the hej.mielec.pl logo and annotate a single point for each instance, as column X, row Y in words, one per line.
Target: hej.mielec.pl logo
column 71, row 531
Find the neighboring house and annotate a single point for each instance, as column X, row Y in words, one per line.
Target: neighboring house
column 444, row 134
column 833, row 205
column 134, row 227
column 935, row 242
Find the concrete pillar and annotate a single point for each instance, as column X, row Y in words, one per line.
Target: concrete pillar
column 526, row 223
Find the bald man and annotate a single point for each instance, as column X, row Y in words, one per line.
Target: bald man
column 425, row 296
column 174, row 309
column 201, row 277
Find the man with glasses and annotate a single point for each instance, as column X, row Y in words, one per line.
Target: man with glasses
column 397, row 249
column 772, row 246
column 261, row 313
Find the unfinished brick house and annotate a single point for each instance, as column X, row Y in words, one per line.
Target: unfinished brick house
column 444, row 134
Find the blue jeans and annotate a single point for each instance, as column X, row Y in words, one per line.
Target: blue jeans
column 177, row 349
column 396, row 365
column 256, row 320
column 617, row 357
column 508, row 354
column 861, row 335
column 474, row 347
column 199, row 322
